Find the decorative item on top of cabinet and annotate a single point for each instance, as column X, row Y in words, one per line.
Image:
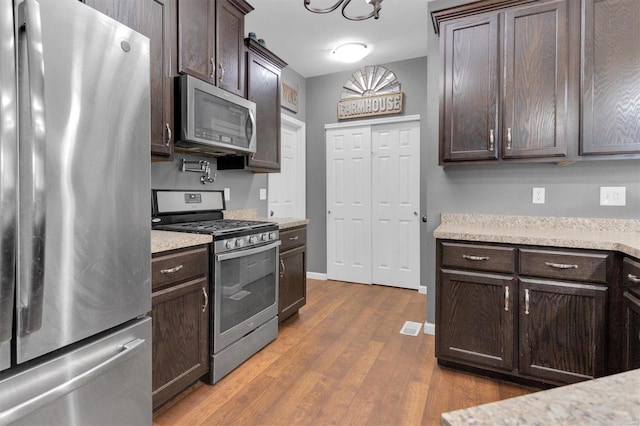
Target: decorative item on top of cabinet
column 156, row 20
column 510, row 80
column 610, row 78
column 180, row 312
column 210, row 46
column 263, row 88
column 529, row 313
column 292, row 292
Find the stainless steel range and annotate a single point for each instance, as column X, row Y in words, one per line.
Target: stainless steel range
column 243, row 276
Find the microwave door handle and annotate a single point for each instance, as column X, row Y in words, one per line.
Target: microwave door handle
column 31, row 304
column 251, row 125
column 248, row 252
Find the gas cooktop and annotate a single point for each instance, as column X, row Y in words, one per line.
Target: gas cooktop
column 218, row 226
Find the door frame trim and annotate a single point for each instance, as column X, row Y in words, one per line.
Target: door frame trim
column 372, row 122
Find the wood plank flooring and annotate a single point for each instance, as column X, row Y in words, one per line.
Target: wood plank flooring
column 340, row 361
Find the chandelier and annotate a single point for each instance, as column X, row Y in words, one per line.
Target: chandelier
column 374, row 14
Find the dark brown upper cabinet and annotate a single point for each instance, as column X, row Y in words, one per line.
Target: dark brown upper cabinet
column 610, row 77
column 210, row 42
column 509, row 80
column 156, row 20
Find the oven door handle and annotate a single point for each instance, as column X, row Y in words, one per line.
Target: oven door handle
column 247, row 252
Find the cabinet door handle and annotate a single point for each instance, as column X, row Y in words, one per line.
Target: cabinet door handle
column 561, row 265
column 168, row 134
column 171, row 270
column 283, row 268
column 293, row 238
column 206, row 299
column 633, row 279
column 508, row 137
column 475, row 258
column 526, row 301
column 213, row 68
column 506, row 298
column 221, row 72
column 492, row 139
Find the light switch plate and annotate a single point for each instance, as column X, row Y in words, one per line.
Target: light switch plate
column 538, row 196
column 227, row 194
column 613, row 196
column 263, row 194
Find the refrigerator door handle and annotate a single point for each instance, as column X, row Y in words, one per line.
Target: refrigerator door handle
column 34, row 245
column 23, row 409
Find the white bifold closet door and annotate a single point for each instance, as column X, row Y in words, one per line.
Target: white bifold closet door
column 373, row 193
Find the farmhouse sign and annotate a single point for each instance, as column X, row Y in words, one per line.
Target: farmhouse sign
column 371, row 91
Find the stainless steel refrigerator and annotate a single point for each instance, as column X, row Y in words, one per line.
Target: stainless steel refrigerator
column 75, row 344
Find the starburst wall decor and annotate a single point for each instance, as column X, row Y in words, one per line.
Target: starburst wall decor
column 371, row 91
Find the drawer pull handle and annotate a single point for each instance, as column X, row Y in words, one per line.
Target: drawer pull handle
column 506, row 298
column 293, row 238
column 206, row 299
column 633, row 279
column 561, row 265
column 171, row 270
column 526, row 301
column 475, row 258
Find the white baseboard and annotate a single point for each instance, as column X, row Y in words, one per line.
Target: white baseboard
column 422, row 289
column 429, row 328
column 316, row 276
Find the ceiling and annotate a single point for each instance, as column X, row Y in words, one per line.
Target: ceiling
column 305, row 40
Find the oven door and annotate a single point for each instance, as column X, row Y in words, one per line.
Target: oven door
column 245, row 292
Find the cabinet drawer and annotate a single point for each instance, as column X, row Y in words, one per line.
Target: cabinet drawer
column 294, row 237
column 566, row 265
column 631, row 274
column 180, row 266
column 479, row 257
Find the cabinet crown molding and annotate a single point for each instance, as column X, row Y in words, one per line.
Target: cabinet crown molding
column 473, row 8
column 264, row 53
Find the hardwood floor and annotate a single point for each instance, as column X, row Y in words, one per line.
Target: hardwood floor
column 340, row 361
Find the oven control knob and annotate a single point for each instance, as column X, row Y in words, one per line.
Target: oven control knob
column 272, row 235
column 264, row 237
column 239, row 242
column 228, row 244
column 253, row 239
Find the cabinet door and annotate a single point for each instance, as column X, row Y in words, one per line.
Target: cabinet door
column 562, row 330
column 230, row 71
column 292, row 293
column 536, row 86
column 610, row 77
column 469, row 104
column 196, row 38
column 263, row 88
column 475, row 318
column 154, row 19
column 180, row 337
column 631, row 342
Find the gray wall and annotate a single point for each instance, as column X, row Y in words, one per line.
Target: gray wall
column 571, row 191
column 323, row 93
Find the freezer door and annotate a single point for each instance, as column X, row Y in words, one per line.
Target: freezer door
column 8, row 174
column 84, row 256
column 105, row 382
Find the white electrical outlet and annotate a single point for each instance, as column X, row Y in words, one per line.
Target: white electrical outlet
column 538, row 196
column 227, row 194
column 613, row 196
column 263, row 194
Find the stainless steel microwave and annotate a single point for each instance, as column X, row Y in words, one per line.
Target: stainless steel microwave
column 212, row 120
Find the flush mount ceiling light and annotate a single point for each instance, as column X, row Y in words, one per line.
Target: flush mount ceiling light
column 350, row 52
column 374, row 14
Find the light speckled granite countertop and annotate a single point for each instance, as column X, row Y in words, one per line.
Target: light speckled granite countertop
column 611, row 400
column 252, row 214
column 166, row 240
column 621, row 235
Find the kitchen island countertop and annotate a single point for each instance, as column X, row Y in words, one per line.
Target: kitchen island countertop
column 167, row 240
column 621, row 235
column 611, row 400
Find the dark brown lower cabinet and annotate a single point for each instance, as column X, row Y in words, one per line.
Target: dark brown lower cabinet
column 476, row 318
column 631, row 341
column 562, row 330
column 292, row 292
column 180, row 313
